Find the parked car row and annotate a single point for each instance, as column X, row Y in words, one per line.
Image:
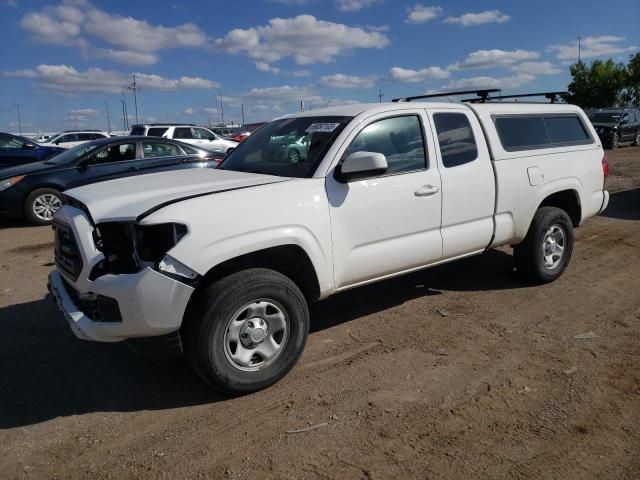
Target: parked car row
column 33, row 190
column 187, row 133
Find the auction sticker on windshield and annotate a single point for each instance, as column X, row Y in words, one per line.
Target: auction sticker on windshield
column 322, row 127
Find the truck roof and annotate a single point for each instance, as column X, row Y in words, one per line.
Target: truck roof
column 489, row 107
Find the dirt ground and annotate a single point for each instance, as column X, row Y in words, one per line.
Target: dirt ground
column 461, row 371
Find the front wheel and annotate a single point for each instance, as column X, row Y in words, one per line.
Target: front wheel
column 546, row 250
column 615, row 141
column 41, row 204
column 247, row 330
column 636, row 142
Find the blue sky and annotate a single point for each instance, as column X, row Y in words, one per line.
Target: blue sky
column 64, row 61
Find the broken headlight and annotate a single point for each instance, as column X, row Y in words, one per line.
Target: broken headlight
column 129, row 247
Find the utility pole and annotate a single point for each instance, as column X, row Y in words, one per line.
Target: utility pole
column 221, row 104
column 136, row 89
column 19, row 119
column 125, row 113
column 302, row 105
column 579, row 57
column 380, row 95
column 108, row 117
column 242, row 108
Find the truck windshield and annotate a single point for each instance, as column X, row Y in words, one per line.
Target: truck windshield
column 290, row 147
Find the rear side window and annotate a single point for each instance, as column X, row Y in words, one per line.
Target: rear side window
column 182, row 133
column 157, row 149
column 565, row 129
column 137, row 131
column 526, row 132
column 522, row 132
column 157, row 132
column 455, row 136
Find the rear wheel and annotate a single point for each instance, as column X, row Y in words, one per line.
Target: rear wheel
column 546, row 250
column 636, row 142
column 41, row 204
column 247, row 330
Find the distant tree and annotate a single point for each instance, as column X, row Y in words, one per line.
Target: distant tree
column 599, row 85
column 631, row 94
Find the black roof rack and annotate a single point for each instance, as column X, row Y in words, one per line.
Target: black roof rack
column 551, row 96
column 482, row 94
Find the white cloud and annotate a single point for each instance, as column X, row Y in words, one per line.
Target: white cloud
column 189, row 111
column 536, row 68
column 421, row 14
column 127, row 57
column 339, row 80
column 84, row 112
column 591, row 47
column 265, row 67
column 354, row 5
column 471, row 19
column 414, row 76
column 72, row 23
column 139, row 35
column 490, row 82
column 495, row 58
column 63, row 78
column 304, row 38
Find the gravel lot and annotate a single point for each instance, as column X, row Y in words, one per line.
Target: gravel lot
column 461, row 371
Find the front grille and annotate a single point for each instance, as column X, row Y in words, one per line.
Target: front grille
column 67, row 253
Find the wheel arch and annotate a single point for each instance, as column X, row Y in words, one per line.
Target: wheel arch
column 567, row 200
column 289, row 259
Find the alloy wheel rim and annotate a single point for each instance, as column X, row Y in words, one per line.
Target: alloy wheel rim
column 256, row 335
column 45, row 206
column 553, row 246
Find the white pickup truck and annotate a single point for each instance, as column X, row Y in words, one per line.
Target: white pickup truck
column 222, row 263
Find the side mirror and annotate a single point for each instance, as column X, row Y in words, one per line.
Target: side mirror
column 57, row 142
column 624, row 121
column 359, row 165
column 29, row 146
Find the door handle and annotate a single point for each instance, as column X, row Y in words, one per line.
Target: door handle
column 426, row 191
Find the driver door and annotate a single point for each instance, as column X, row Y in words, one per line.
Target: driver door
column 389, row 223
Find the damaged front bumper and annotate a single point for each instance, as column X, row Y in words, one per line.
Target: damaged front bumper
column 113, row 307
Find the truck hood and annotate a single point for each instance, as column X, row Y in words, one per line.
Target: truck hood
column 135, row 197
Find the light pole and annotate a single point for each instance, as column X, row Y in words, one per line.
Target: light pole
column 579, row 57
column 125, row 114
column 19, row 119
column 108, row 117
column 136, row 89
column 221, row 104
column 380, row 95
column 242, row 108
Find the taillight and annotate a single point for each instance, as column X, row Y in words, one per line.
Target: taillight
column 605, row 166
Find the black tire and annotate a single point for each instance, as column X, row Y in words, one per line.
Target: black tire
column 529, row 256
column 615, row 141
column 29, row 205
column 213, row 312
column 636, row 142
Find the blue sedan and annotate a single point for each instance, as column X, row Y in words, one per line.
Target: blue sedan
column 16, row 150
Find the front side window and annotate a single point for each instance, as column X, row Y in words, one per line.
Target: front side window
column 71, row 137
column 203, row 134
column 114, row 153
column 157, row 149
column 456, row 139
column 182, row 133
column 290, row 147
column 399, row 139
